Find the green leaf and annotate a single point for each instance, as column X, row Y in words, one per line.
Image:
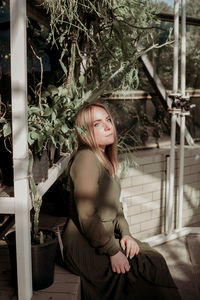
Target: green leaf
column 6, row 129
column 34, row 110
column 61, row 91
column 61, row 139
column 81, row 79
column 82, row 131
column 40, row 142
column 30, row 140
column 36, row 136
column 53, row 141
column 64, row 128
column 52, row 90
column 47, row 112
column 2, row 120
column 53, row 116
column 45, row 94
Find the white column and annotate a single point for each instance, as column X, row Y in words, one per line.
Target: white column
column 20, row 149
column 182, row 116
column 167, row 194
column 181, row 171
column 176, row 45
column 170, row 205
column 183, row 47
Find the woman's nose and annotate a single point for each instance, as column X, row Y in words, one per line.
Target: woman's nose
column 107, row 126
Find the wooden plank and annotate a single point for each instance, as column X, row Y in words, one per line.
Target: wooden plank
column 193, row 245
column 66, row 286
column 52, row 296
column 184, row 273
column 183, row 276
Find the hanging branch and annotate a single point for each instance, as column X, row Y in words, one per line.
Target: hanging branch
column 41, row 78
column 72, row 64
column 96, row 93
column 70, row 75
column 5, row 145
column 5, row 109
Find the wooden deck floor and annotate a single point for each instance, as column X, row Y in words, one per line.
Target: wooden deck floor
column 182, row 256
column 66, row 286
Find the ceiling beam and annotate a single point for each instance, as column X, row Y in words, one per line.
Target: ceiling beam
column 35, row 12
column 170, row 18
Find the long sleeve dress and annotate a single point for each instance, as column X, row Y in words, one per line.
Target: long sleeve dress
column 93, row 232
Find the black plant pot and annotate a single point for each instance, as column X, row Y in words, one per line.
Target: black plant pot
column 43, row 260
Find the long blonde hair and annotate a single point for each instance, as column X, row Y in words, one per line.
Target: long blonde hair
column 84, row 121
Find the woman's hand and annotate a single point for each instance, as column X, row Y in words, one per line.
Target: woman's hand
column 129, row 245
column 119, row 263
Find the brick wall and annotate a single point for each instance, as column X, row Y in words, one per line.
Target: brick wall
column 143, row 190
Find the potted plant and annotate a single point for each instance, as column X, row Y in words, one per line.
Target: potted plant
column 43, row 245
column 49, row 123
column 43, row 258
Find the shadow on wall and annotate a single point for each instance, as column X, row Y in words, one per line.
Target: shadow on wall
column 144, row 191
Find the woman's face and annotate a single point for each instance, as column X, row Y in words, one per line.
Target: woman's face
column 104, row 131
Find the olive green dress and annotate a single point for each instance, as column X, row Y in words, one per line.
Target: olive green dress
column 92, row 235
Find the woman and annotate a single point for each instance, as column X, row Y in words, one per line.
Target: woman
column 97, row 243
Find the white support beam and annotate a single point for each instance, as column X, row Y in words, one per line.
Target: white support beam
column 183, row 47
column 183, row 115
column 176, row 46
column 20, row 147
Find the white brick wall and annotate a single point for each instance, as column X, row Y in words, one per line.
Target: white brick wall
column 143, row 190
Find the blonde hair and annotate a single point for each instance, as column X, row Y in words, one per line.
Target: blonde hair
column 84, row 121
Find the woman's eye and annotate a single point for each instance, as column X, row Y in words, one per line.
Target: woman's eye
column 109, row 120
column 96, row 124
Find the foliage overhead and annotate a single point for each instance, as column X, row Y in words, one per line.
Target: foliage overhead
column 97, row 44
column 97, row 38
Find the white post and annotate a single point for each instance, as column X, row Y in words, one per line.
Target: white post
column 181, row 171
column 183, row 47
column 176, row 45
column 169, row 211
column 167, row 193
column 182, row 116
column 20, row 149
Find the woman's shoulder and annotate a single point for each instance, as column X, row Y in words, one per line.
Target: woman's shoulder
column 85, row 153
column 85, row 157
